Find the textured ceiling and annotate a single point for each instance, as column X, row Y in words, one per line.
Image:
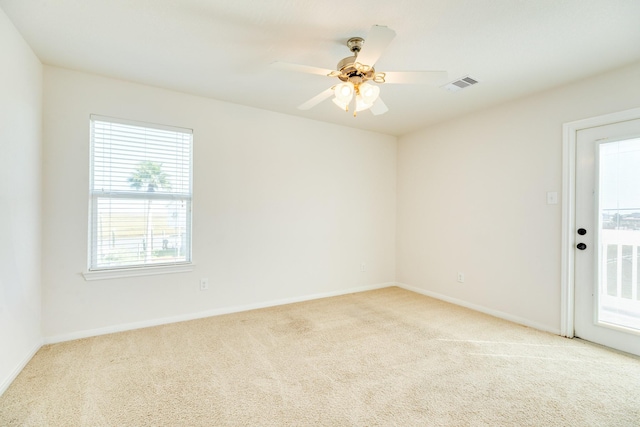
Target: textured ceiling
column 223, row 49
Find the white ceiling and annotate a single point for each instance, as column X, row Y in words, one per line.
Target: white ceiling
column 222, row 49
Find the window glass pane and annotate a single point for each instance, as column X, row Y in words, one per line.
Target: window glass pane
column 124, row 155
column 131, row 232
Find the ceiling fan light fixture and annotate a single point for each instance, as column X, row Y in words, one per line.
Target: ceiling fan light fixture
column 361, row 104
column 342, row 105
column 369, row 93
column 344, row 92
column 365, row 95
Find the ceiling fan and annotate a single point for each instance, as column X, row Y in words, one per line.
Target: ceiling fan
column 358, row 88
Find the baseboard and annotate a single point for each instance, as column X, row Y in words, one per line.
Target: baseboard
column 16, row 371
column 209, row 313
column 481, row 309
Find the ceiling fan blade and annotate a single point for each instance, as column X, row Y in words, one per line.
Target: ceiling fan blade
column 316, row 99
column 415, row 77
column 379, row 107
column 374, row 44
column 287, row 66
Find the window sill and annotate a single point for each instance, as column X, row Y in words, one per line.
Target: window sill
column 138, row 271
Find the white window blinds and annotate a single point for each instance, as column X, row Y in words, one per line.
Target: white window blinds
column 141, row 178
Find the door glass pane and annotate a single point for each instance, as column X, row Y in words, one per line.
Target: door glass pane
column 611, row 270
column 637, row 281
column 619, row 234
column 627, row 271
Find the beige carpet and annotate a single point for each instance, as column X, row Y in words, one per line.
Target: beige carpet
column 381, row 358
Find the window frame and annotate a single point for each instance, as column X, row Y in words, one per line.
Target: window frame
column 94, row 272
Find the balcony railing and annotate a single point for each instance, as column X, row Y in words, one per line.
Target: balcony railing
column 619, row 294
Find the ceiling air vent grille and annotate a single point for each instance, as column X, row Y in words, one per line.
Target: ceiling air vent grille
column 460, row 84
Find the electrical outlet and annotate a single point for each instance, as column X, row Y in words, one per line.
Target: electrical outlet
column 204, row 284
column 363, row 266
column 460, row 277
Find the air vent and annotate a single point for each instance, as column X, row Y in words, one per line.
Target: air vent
column 460, row 84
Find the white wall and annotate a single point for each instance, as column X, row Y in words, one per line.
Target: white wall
column 20, row 205
column 284, row 207
column 472, row 199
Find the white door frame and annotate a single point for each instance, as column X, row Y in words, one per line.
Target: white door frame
column 569, row 138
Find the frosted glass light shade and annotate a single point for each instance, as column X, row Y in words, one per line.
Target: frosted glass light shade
column 342, row 105
column 344, row 92
column 369, row 93
column 361, row 105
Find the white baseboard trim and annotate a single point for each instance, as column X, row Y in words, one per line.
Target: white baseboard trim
column 209, row 313
column 481, row 309
column 6, row 382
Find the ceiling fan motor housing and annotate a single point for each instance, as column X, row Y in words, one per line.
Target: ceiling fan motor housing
column 350, row 73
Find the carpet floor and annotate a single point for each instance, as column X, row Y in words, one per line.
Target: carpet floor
column 388, row 357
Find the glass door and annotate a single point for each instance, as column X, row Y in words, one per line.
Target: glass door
column 619, row 228
column 607, row 287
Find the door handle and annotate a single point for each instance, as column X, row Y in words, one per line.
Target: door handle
column 581, row 246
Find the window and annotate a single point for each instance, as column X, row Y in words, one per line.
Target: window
column 140, row 195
